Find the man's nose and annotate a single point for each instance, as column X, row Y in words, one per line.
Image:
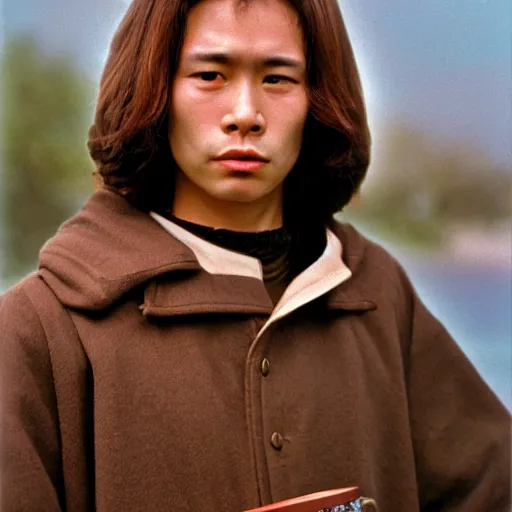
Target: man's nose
column 245, row 116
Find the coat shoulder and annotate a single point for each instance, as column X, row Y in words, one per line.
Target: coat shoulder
column 24, row 312
column 18, row 309
column 369, row 262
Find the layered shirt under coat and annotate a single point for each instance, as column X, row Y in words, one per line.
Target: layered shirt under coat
column 143, row 368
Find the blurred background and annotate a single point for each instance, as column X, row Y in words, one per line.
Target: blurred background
column 437, row 77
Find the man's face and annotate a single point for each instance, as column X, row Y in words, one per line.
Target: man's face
column 240, row 86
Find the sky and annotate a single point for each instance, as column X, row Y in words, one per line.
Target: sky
column 444, row 66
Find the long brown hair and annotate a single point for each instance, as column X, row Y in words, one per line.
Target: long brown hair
column 129, row 137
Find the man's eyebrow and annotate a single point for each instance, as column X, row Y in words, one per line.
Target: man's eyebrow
column 276, row 62
column 218, row 58
column 224, row 58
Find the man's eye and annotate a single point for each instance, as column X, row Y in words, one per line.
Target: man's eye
column 277, row 79
column 208, row 76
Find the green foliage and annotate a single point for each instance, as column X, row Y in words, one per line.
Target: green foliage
column 425, row 188
column 47, row 108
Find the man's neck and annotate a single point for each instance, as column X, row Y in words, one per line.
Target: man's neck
column 253, row 217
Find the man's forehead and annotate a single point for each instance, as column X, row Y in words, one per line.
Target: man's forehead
column 261, row 27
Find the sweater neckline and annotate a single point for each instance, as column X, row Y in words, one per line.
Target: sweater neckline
column 271, row 247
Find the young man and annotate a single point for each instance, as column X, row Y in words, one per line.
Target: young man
column 202, row 335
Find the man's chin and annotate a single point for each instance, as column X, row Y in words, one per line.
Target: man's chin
column 240, row 193
column 243, row 197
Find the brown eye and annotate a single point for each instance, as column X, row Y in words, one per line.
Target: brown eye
column 277, row 79
column 208, row 76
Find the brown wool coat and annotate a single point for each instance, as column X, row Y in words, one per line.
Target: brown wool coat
column 134, row 380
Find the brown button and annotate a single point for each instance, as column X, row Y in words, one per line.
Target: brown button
column 265, row 367
column 277, row 440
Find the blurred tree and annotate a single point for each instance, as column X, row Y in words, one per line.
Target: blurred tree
column 47, row 107
column 426, row 187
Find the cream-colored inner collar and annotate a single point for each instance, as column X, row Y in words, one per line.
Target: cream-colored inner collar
column 214, row 259
column 327, row 272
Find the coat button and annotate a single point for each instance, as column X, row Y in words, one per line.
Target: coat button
column 277, row 440
column 265, row 367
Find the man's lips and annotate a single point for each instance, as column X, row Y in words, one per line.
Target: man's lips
column 242, row 165
column 241, row 154
column 241, row 159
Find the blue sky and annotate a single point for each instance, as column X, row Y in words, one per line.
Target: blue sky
column 444, row 66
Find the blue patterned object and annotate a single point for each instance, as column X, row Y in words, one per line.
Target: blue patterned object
column 353, row 506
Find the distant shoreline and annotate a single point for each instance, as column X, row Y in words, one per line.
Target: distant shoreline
column 467, row 246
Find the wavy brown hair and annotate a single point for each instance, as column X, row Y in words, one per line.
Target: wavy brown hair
column 129, row 138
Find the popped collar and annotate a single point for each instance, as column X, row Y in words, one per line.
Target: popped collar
column 326, row 273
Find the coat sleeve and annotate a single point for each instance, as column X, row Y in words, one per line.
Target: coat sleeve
column 29, row 438
column 461, row 431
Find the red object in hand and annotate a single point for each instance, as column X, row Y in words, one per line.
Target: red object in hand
column 314, row 502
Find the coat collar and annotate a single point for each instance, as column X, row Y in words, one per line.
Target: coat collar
column 110, row 249
column 212, row 258
column 324, row 275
